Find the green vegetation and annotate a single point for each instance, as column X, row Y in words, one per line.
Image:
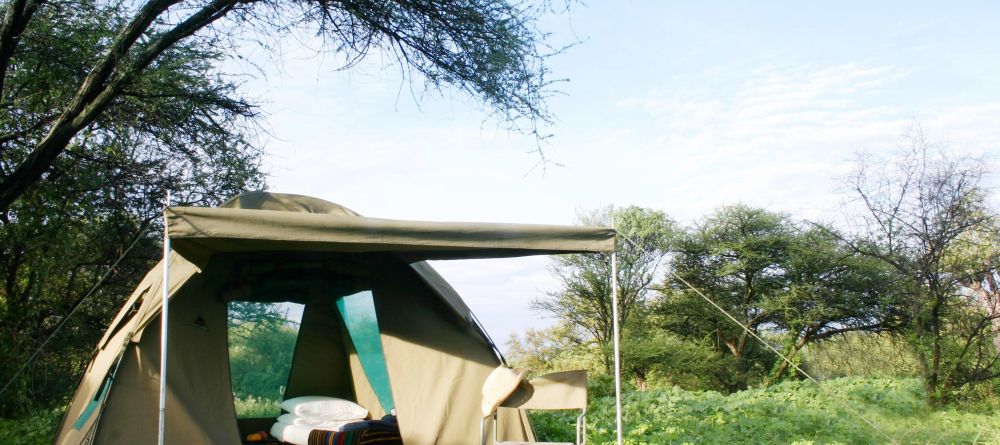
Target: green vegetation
column 786, row 413
column 252, row 407
column 897, row 314
column 859, row 355
column 261, row 346
column 107, row 106
column 717, row 304
column 34, row 429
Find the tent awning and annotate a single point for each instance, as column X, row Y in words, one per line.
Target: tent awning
column 198, row 232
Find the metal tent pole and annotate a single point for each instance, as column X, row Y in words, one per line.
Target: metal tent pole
column 617, row 339
column 164, row 316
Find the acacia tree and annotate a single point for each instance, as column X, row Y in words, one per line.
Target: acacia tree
column 488, row 49
column 830, row 291
column 106, row 105
column 775, row 277
column 182, row 129
column 735, row 257
column 584, row 301
column 917, row 207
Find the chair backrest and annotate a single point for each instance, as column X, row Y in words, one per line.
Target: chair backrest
column 558, row 390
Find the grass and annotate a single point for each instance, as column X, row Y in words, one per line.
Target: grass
column 39, row 428
column 253, row 407
column 788, row 413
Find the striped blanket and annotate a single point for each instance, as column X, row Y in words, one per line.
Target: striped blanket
column 376, row 433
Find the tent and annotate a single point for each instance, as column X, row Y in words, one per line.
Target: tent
column 276, row 247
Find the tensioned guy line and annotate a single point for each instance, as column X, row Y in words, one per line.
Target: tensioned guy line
column 77, row 306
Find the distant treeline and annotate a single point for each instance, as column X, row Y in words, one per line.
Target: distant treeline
column 913, row 261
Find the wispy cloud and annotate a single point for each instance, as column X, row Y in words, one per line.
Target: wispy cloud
column 781, row 135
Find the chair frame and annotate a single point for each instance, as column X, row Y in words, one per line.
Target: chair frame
column 581, row 420
column 581, row 429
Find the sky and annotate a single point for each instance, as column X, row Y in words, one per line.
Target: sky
column 677, row 106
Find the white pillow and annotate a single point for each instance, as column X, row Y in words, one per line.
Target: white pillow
column 331, row 425
column 324, row 408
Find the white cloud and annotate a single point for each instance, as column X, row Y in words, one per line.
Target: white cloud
column 780, row 136
column 776, row 136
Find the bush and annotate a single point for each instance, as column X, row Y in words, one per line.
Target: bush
column 36, row 429
column 860, row 354
column 261, row 344
column 251, row 407
column 790, row 412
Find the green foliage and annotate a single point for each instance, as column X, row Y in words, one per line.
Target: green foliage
column 557, row 348
column 554, row 426
column 859, row 355
column 261, row 346
column 260, row 360
column 664, row 359
column 799, row 284
column 118, row 65
column 251, row 407
column 790, row 412
column 923, row 207
column 584, row 300
column 180, row 128
column 34, row 429
column 737, row 257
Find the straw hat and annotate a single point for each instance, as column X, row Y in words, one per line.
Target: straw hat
column 498, row 386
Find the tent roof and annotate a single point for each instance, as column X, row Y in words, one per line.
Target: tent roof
column 268, row 222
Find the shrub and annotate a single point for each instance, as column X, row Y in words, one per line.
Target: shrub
column 860, row 354
column 35, row 429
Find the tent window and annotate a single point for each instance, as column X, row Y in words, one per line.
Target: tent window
column 358, row 311
column 93, row 405
column 261, row 342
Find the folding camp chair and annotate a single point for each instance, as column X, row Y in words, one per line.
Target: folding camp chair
column 557, row 391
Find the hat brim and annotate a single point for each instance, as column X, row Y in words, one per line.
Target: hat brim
column 503, row 391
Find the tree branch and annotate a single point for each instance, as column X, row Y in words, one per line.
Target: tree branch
column 96, row 93
column 15, row 20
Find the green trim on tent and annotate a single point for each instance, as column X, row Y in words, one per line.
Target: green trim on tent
column 93, row 405
column 358, row 312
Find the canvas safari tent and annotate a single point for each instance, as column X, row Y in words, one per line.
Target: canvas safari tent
column 273, row 248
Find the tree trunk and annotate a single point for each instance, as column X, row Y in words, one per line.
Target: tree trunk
column 737, row 347
column 918, row 343
column 783, row 365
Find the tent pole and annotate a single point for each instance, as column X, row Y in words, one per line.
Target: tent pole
column 617, row 338
column 163, row 326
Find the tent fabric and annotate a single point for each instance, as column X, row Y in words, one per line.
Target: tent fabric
column 200, row 407
column 286, row 202
column 443, row 289
column 558, row 390
column 198, row 233
column 275, row 249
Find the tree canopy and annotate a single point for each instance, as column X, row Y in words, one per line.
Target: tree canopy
column 106, row 106
column 108, row 62
column 584, row 300
column 920, row 209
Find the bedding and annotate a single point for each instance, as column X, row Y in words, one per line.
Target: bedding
column 293, row 434
column 363, row 432
column 334, row 425
column 369, row 432
column 324, row 408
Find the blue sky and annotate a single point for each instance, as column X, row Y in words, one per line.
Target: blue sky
column 679, row 106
